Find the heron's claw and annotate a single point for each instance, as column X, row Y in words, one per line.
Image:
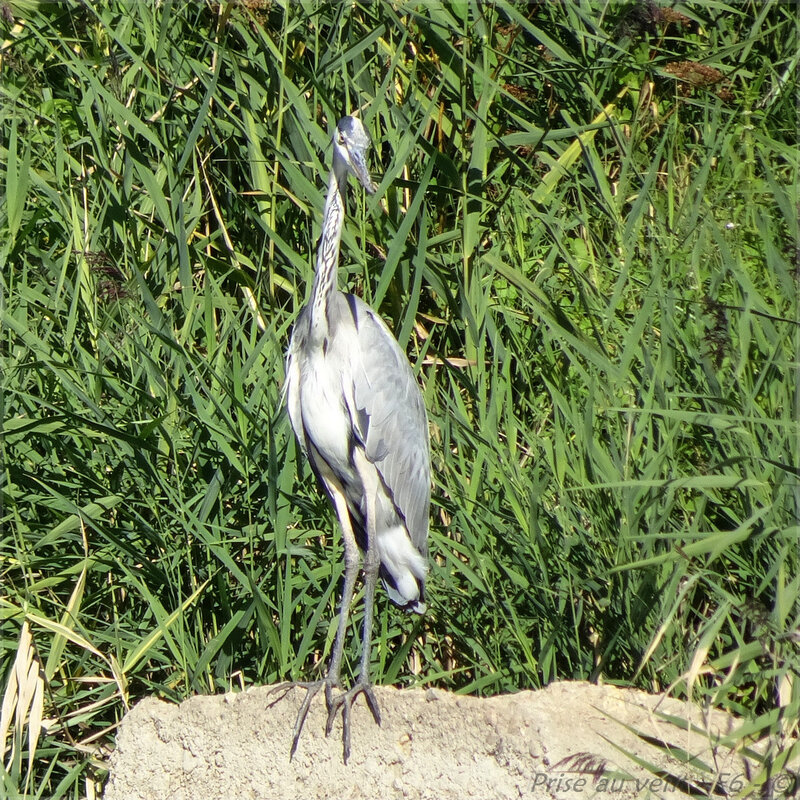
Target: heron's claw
column 345, row 702
column 312, row 689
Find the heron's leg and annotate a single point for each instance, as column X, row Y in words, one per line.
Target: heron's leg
column 371, row 566
column 350, row 574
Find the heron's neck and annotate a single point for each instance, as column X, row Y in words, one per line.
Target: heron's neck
column 328, row 254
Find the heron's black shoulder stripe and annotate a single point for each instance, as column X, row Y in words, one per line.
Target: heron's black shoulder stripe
column 362, row 418
column 351, row 302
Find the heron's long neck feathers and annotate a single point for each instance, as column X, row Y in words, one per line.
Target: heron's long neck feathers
column 328, row 253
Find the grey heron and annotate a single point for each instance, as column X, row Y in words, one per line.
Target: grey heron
column 358, row 414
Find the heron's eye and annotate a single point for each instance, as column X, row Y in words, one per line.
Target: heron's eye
column 341, row 139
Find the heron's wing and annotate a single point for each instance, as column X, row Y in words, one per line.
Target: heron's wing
column 388, row 417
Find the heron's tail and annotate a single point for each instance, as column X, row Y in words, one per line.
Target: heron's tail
column 402, row 570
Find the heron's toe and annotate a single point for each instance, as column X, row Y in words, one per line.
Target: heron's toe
column 344, row 701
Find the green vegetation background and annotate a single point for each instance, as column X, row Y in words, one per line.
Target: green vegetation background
column 584, row 238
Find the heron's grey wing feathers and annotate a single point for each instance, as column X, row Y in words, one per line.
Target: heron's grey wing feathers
column 388, row 417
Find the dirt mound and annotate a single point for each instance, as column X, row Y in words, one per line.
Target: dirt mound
column 569, row 740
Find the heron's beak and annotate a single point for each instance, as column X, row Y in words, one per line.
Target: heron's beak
column 361, row 172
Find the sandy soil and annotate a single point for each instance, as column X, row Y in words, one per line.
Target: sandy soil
column 570, row 740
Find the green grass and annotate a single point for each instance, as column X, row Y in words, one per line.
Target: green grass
column 585, row 244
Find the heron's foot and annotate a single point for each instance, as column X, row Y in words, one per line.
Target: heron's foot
column 312, row 690
column 345, row 702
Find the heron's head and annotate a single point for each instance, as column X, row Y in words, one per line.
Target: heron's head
column 350, row 145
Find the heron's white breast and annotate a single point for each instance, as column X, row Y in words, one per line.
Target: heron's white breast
column 325, row 417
